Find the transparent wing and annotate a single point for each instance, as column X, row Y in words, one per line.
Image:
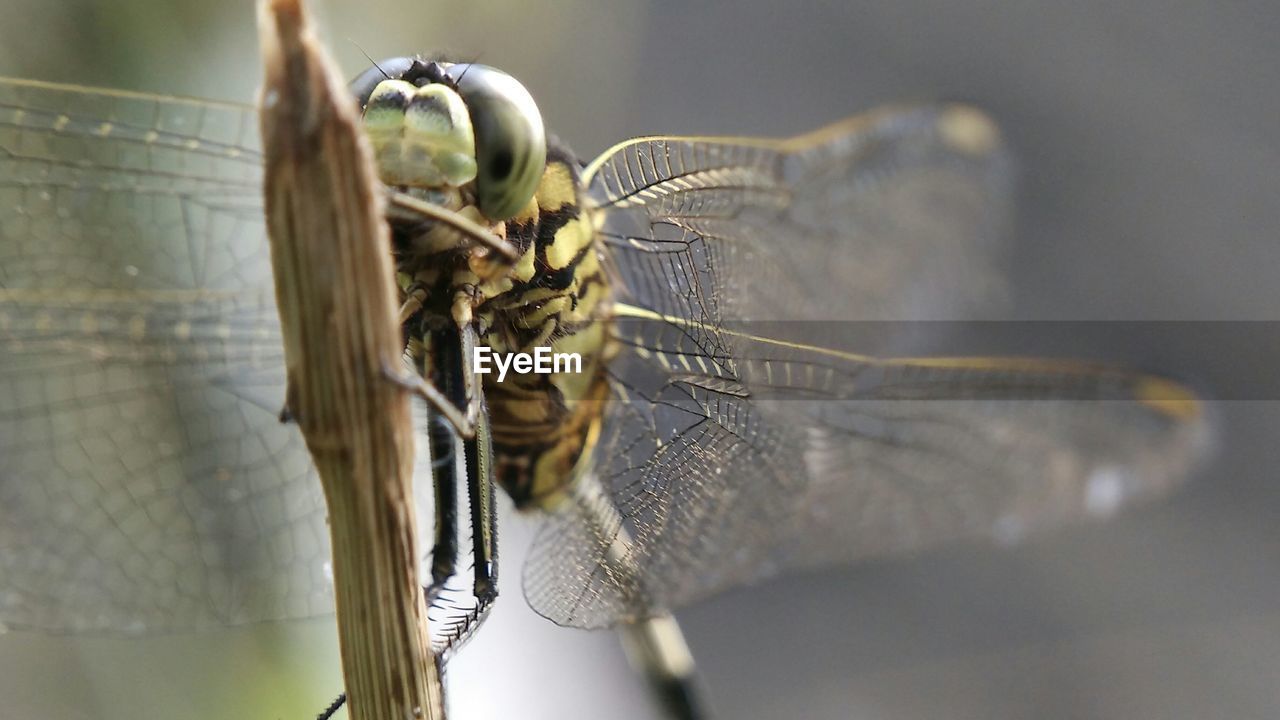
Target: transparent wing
column 733, row 452
column 146, row 482
column 898, row 214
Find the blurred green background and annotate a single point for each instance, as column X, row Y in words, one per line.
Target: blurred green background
column 1149, row 156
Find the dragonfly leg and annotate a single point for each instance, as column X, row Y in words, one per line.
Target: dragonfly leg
column 480, row 485
column 333, row 707
column 444, row 481
column 453, row 352
column 413, row 302
column 462, row 421
column 464, row 226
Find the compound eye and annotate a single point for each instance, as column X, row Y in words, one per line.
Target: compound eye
column 511, row 143
column 365, row 83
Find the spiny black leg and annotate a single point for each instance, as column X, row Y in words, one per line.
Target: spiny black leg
column 439, row 368
column 444, row 479
column 451, row 350
column 480, row 488
column 484, row 530
column 333, row 708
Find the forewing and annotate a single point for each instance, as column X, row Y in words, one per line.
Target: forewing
column 147, row 483
column 898, row 214
column 732, row 453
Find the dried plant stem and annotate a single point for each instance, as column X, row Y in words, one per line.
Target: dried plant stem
column 334, row 286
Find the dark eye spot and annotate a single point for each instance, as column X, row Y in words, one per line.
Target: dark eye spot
column 501, row 164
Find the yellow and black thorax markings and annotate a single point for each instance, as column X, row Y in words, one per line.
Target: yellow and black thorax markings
column 555, row 296
column 557, row 285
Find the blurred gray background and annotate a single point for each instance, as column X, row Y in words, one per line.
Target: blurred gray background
column 1149, row 156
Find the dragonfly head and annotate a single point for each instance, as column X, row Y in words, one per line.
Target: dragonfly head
column 441, row 126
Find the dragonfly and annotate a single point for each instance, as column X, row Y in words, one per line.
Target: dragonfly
column 721, row 431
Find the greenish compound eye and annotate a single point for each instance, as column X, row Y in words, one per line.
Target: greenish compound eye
column 511, row 143
column 421, row 136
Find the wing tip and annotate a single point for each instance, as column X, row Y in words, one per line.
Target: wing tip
column 968, row 130
column 1170, row 398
